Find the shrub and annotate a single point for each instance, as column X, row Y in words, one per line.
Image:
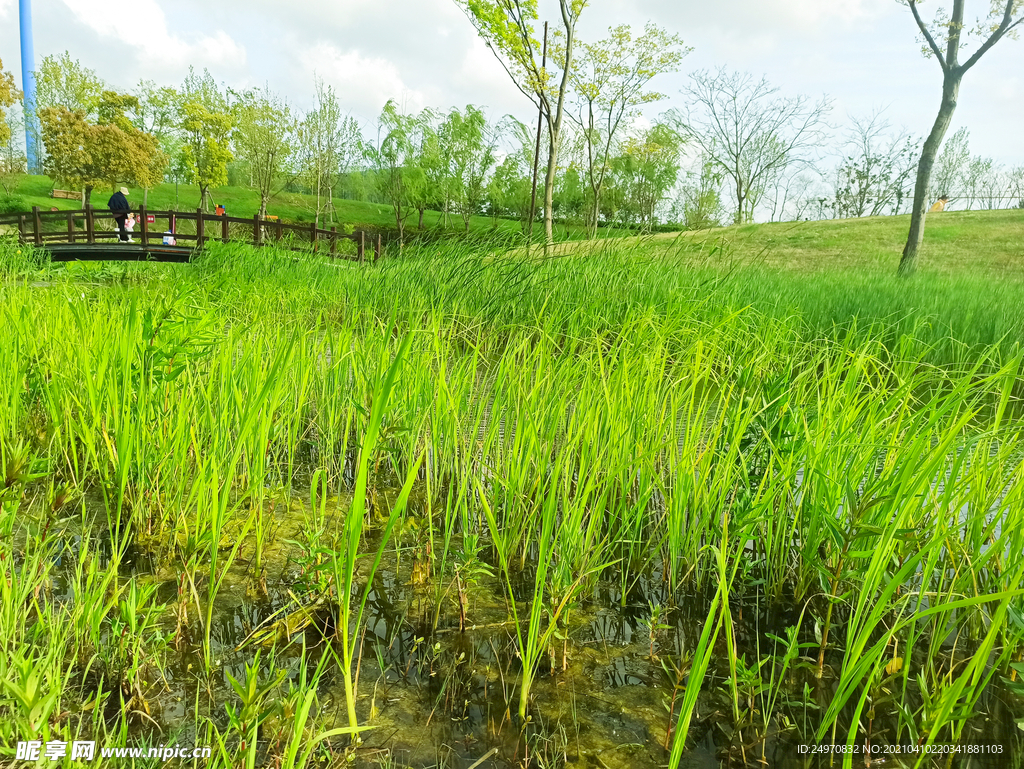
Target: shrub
column 10, row 204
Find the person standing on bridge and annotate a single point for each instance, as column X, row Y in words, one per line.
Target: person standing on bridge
column 118, row 205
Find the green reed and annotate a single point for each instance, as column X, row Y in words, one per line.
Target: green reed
column 620, row 417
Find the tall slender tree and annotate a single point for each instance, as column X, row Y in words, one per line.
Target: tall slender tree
column 944, row 39
column 263, row 135
column 508, row 28
column 609, row 80
column 327, row 142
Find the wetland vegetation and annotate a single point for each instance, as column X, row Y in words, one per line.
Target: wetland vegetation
column 611, row 509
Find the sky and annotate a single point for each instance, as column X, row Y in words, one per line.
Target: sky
column 863, row 53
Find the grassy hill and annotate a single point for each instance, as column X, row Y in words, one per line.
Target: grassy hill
column 291, row 207
column 987, row 243
column 956, row 242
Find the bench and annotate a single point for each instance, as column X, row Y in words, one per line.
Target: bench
column 65, row 194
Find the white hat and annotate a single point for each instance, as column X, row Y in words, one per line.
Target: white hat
column 124, row 190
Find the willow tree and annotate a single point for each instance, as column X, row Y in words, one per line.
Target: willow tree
column 392, row 159
column 508, row 27
column 944, row 38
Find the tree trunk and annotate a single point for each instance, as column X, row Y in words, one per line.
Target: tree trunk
column 421, row 219
column 740, row 200
column 950, row 92
column 549, row 190
column 263, row 207
column 87, row 196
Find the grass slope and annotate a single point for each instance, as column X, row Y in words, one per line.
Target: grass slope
column 955, row 242
column 291, row 207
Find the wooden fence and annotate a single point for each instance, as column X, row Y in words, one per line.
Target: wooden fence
column 196, row 229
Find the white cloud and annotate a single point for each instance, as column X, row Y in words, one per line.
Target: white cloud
column 143, row 27
column 364, row 83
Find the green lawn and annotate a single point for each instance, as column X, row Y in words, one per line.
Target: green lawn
column 954, row 243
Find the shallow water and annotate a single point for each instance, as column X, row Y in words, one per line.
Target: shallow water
column 436, row 695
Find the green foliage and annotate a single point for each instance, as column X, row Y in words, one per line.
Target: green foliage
column 111, row 151
column 609, row 79
column 63, row 83
column 644, row 173
column 9, row 96
column 263, row 136
column 399, row 179
column 11, row 204
column 204, row 119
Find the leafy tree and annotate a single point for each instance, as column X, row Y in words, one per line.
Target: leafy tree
column 111, row 151
column 155, row 109
column 749, row 134
column 263, row 135
column 12, row 160
column 428, row 174
column 944, row 39
column 510, row 188
column 472, row 157
column 9, row 96
column 508, row 192
column 610, row 79
column 699, row 206
column 392, row 159
column 646, row 171
column 204, row 120
column 64, row 83
column 508, row 28
column 978, row 170
column 327, row 144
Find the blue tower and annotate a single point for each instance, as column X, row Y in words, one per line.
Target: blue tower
column 28, row 84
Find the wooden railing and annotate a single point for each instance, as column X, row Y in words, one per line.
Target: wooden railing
column 188, row 228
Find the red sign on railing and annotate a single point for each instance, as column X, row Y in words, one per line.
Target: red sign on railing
column 150, row 219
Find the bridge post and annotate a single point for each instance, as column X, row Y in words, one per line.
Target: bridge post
column 257, row 231
column 37, row 224
column 224, row 228
column 90, row 226
column 361, row 245
column 22, row 237
column 144, row 220
column 200, row 235
column 71, row 227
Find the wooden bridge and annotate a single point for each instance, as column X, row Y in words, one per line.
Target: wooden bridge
column 173, row 236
